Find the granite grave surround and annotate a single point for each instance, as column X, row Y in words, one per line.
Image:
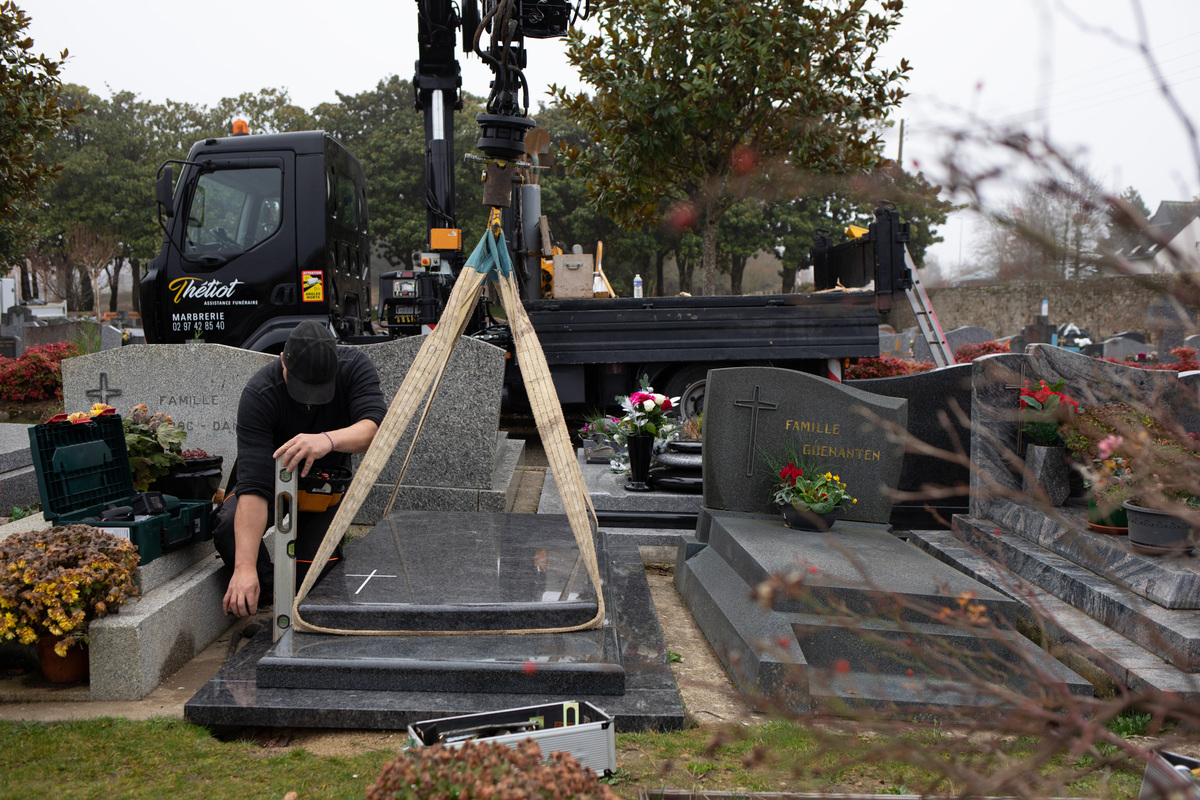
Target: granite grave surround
column 1171, row 633
column 455, row 572
column 843, row 644
column 805, row 656
column 18, row 479
column 1091, row 649
column 955, row 338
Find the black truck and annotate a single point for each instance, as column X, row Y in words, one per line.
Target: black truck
column 265, row 231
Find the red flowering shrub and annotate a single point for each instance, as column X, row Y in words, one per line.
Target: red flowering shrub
column 36, row 374
column 883, row 367
column 1185, row 361
column 969, row 352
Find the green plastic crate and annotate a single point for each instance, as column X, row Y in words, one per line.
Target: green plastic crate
column 83, row 469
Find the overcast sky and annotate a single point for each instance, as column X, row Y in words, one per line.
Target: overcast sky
column 975, row 64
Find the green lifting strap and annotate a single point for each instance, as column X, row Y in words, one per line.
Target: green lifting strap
column 490, row 257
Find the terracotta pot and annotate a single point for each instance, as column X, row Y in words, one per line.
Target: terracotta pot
column 803, row 519
column 71, row 668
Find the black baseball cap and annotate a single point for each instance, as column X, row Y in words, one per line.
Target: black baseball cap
column 310, row 357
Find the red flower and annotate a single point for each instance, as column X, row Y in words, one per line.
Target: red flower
column 790, row 473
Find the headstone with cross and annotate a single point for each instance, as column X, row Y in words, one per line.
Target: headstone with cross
column 751, row 415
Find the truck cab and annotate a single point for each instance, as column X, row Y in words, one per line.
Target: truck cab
column 261, row 233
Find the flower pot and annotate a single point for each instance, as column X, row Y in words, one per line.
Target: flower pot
column 640, row 447
column 198, row 479
column 803, row 519
column 71, row 668
column 1046, row 469
column 1106, row 517
column 1157, row 532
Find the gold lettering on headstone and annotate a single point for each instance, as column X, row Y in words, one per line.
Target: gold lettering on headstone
column 824, row 450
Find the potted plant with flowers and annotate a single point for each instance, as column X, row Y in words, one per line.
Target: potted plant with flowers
column 53, row 583
column 809, row 497
column 1158, row 483
column 1044, row 410
column 645, row 420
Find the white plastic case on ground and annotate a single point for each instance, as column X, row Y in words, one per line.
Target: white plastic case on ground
column 592, row 743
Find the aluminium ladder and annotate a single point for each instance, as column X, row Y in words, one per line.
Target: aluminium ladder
column 927, row 321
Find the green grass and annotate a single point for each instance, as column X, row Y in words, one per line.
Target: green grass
column 113, row 758
column 166, row 758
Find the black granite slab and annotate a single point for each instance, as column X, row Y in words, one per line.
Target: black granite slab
column 752, row 415
column 845, row 643
column 424, row 570
column 233, row 698
column 1174, row 635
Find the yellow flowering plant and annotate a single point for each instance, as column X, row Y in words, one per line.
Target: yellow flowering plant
column 57, row 580
column 805, row 486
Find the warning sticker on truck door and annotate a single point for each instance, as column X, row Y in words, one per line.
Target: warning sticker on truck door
column 312, row 285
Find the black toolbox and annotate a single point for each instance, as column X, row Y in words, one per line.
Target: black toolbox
column 83, row 470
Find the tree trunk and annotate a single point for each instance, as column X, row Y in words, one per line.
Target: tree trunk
column 789, row 279
column 708, row 277
column 712, row 226
column 115, row 274
column 659, row 258
column 737, row 268
column 135, row 264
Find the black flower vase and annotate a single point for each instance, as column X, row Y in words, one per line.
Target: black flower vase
column 640, row 447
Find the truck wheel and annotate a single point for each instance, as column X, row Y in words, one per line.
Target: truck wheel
column 687, row 383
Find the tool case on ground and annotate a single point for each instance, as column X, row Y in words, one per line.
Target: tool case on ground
column 83, row 471
column 579, row 728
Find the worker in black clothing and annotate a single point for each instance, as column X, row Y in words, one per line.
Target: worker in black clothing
column 313, row 407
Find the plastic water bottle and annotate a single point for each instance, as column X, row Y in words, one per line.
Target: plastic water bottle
column 637, row 285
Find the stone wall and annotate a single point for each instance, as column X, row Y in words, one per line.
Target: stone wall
column 1103, row 306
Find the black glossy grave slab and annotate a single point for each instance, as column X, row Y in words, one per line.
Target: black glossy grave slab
column 234, row 697
column 809, row 655
column 437, row 571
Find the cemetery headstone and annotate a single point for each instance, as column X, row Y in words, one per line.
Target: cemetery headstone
column 1167, row 322
column 956, row 338
column 752, row 413
column 1192, row 341
column 1137, row 336
column 111, row 337
column 199, row 385
column 1119, row 347
column 936, row 399
column 8, row 346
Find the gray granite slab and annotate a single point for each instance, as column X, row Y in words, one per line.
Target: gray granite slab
column 1114, row 660
column 750, row 413
column 807, row 653
column 198, row 384
column 1093, row 382
column 1120, row 347
column 956, row 338
column 457, row 445
column 650, row 701
column 1173, row 634
column 1171, row 582
column 608, row 493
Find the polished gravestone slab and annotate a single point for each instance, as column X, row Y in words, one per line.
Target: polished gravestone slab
column 457, row 571
column 318, row 680
column 422, row 571
column 869, row 630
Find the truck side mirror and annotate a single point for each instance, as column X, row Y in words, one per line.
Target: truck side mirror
column 162, row 190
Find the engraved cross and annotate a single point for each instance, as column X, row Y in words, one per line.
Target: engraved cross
column 103, row 393
column 755, row 405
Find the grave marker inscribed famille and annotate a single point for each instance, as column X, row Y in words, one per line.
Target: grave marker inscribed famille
column 751, row 413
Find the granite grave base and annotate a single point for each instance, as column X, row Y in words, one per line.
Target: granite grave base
column 1148, row 600
column 849, row 643
column 466, row 571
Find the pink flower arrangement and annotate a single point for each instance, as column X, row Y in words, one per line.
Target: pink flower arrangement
column 645, row 411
